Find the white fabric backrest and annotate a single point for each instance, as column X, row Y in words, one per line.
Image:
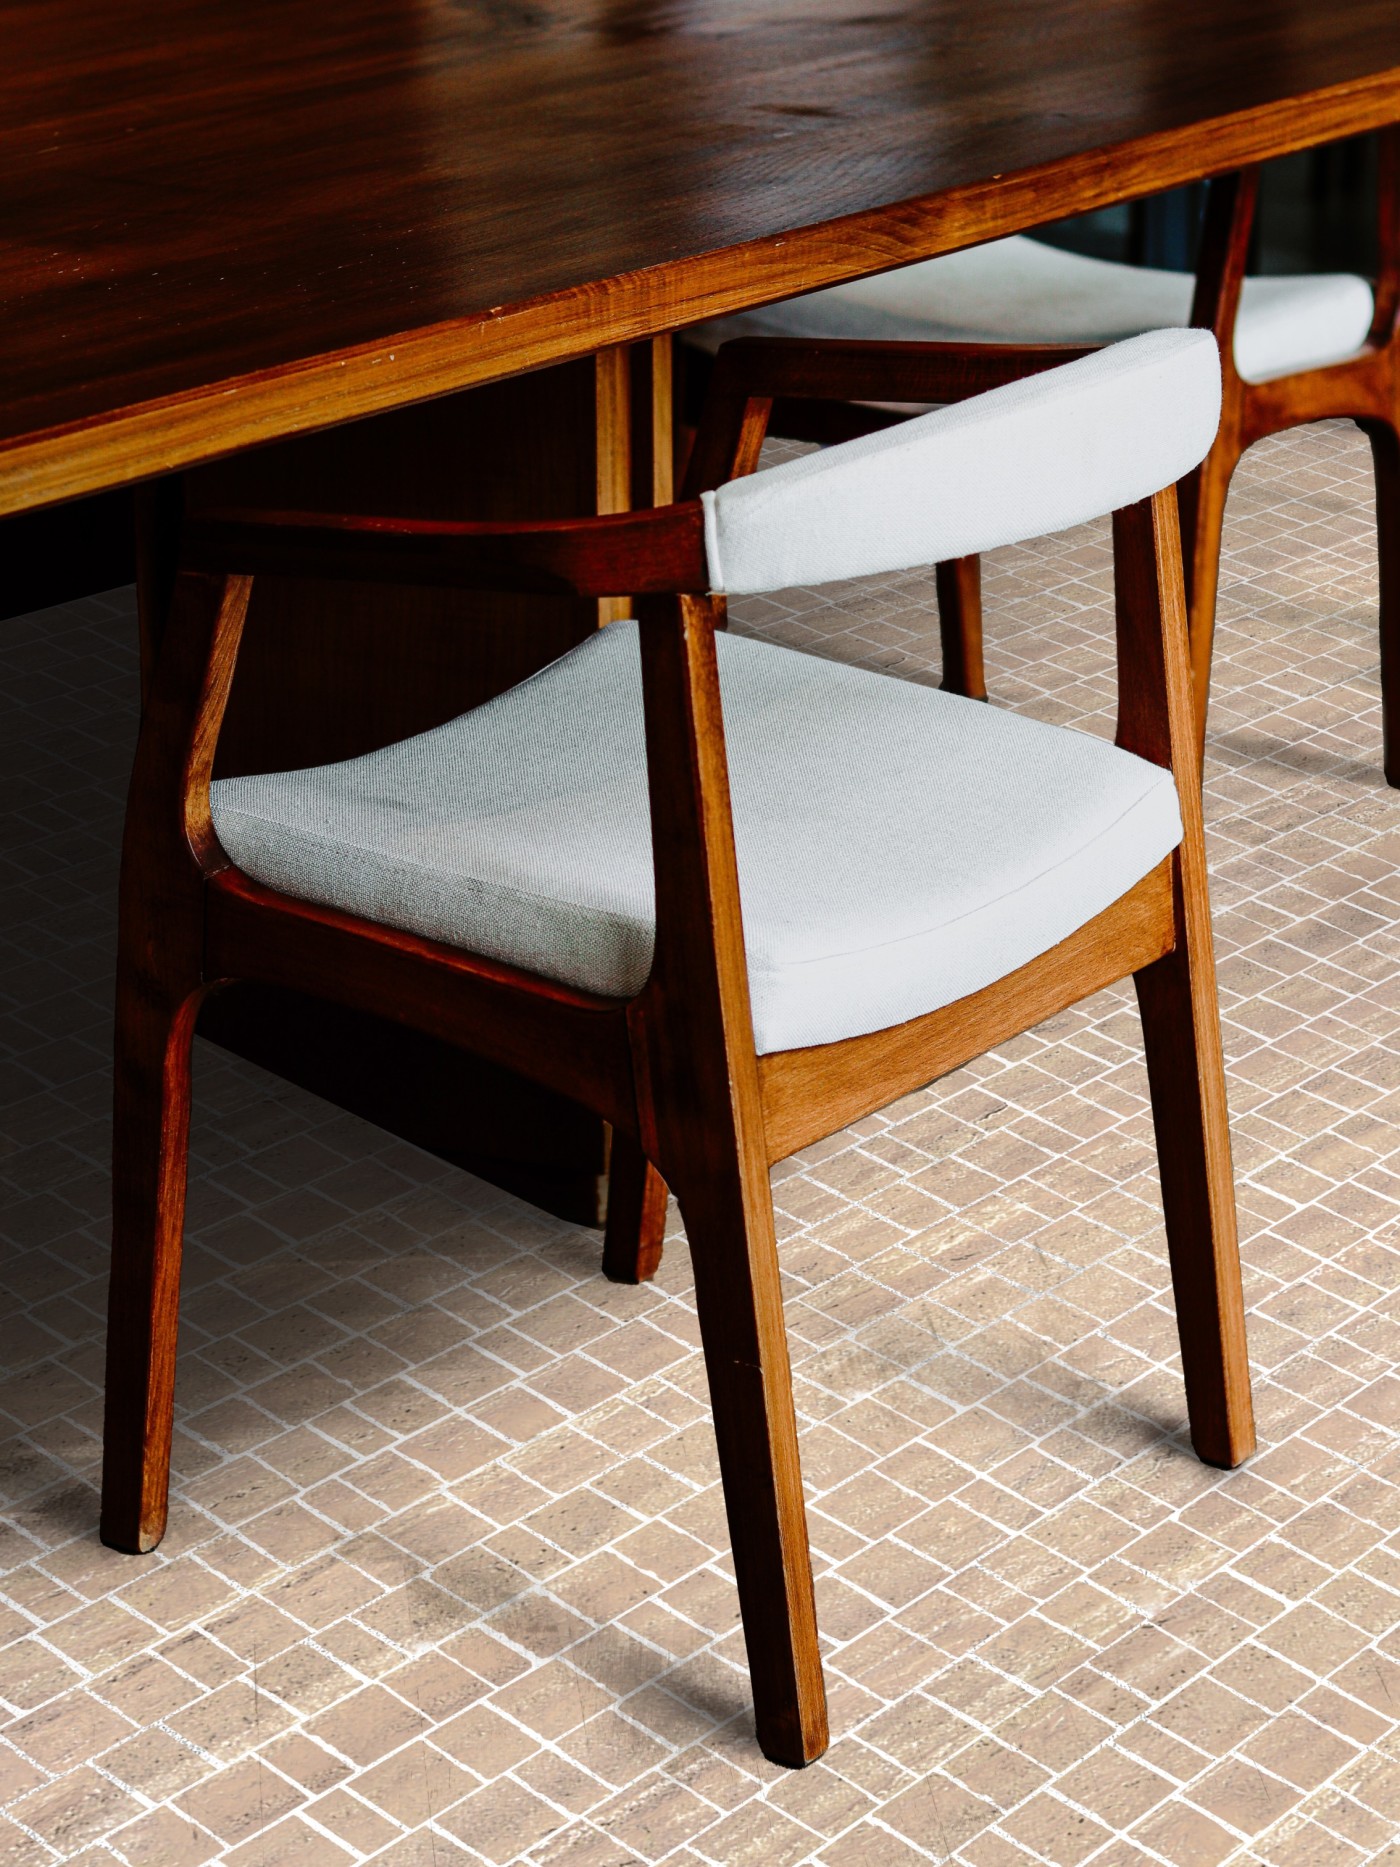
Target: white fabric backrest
column 1039, row 455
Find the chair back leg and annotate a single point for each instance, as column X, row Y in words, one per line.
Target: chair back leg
column 959, row 584
column 636, row 1223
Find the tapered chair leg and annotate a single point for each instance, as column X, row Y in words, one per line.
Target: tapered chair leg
column 636, row 1224
column 1385, row 454
column 959, row 585
column 1177, row 994
column 1203, row 495
column 735, row 1255
column 160, row 957
column 150, row 1143
column 1186, row 1073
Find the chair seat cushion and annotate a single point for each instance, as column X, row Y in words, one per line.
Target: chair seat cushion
column 1021, row 291
column 898, row 847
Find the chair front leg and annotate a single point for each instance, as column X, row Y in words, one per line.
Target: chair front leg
column 168, row 848
column 702, row 1123
column 728, row 1213
column 150, row 1143
column 1203, row 495
column 1177, row 995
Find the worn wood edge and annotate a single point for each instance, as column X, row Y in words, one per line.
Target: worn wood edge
column 202, row 424
column 808, row 1094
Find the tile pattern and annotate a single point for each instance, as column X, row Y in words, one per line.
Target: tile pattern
column 447, row 1577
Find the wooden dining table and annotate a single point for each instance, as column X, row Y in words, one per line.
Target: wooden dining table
column 426, row 256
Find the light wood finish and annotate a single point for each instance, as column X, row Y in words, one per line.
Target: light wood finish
column 673, row 1070
column 220, row 234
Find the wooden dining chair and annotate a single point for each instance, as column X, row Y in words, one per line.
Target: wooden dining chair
column 729, row 896
column 1292, row 350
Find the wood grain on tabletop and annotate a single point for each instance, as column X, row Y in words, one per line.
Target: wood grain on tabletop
column 339, row 210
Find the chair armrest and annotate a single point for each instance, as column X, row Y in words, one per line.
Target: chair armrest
column 620, row 554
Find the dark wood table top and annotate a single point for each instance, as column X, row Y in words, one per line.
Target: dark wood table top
column 229, row 220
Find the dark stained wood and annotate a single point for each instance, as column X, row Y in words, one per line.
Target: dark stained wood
column 753, row 370
column 1384, row 437
column 1388, row 230
column 167, row 851
column 612, row 401
column 655, row 404
column 640, row 552
column 636, row 1221
column 1225, row 239
column 566, row 1040
column 700, row 1114
column 227, row 224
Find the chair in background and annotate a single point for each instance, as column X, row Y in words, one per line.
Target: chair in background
column 729, row 896
column 1292, row 350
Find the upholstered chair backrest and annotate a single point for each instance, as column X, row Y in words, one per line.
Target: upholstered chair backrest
column 1037, row 456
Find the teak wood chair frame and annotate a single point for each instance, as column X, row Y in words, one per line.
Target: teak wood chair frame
column 1364, row 388
column 673, row 1070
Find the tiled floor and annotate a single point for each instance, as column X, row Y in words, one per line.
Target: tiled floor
column 447, row 1579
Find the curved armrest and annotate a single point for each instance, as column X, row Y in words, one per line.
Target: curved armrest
column 1031, row 457
column 620, row 554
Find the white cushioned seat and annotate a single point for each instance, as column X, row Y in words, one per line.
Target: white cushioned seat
column 898, row 847
column 1019, row 291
